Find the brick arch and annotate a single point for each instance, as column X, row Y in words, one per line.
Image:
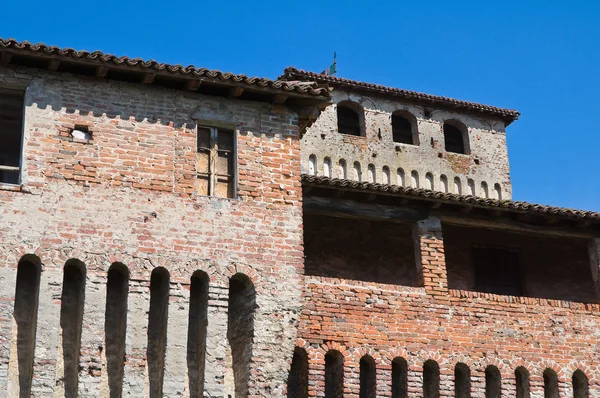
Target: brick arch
column 193, row 265
column 576, row 365
column 547, row 364
column 240, row 268
column 505, row 371
column 359, row 352
column 424, row 356
column 388, row 356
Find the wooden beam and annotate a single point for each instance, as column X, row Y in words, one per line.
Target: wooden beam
column 343, row 208
column 101, row 71
column 53, row 64
column 517, row 227
column 193, row 85
column 5, row 58
column 280, row 98
column 148, row 78
column 236, row 92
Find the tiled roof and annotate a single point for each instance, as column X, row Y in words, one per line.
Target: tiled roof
column 508, row 205
column 150, row 66
column 293, row 74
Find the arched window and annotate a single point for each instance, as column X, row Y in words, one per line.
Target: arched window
column 297, row 386
column 455, row 137
column 399, row 378
column 484, row 190
column 493, row 382
column 385, row 175
column 429, row 181
column 349, row 119
column 522, row 382
column 371, row 173
column 431, row 379
column 158, row 316
column 327, row 167
column 581, row 388
column 400, row 176
column 334, row 374
column 27, row 291
column 342, row 170
column 457, row 186
column 471, row 186
column 197, row 327
column 443, row 183
column 240, row 329
column 414, row 176
column 550, row 384
column 497, row 192
column 312, row 165
column 368, row 377
column 115, row 325
column 357, row 172
column 462, row 381
column 402, row 128
column 71, row 318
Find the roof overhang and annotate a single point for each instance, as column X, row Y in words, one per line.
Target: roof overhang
column 211, row 82
column 344, row 198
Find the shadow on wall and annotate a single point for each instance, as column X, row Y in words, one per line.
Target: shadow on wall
column 369, row 251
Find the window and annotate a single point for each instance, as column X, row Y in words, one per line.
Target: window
column 522, row 382
column 497, row 270
column 334, row 374
column 493, row 382
column 11, row 127
column 215, row 166
column 462, row 381
column 581, row 388
column 402, row 129
column 550, row 384
column 348, row 120
column 399, row 378
column 368, row 377
column 455, row 139
column 431, row 379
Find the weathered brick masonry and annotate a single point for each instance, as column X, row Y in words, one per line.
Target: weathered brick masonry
column 127, row 197
column 390, row 268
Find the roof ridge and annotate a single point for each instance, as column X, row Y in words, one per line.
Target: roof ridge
column 294, row 73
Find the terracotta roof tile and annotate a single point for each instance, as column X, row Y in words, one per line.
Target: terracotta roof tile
column 102, row 59
column 293, row 74
column 509, row 205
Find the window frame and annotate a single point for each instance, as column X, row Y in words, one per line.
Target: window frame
column 360, row 112
column 464, row 131
column 210, row 175
column 414, row 127
column 18, row 169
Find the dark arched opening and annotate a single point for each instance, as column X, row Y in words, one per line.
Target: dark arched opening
column 522, row 382
column 349, row 120
column 493, row 382
column 431, row 379
column 581, row 388
column 462, row 381
column 240, row 330
column 402, row 128
column 157, row 329
column 399, row 378
column 455, row 138
column 115, row 326
column 25, row 313
column 550, row 384
column 71, row 318
column 197, row 327
column 368, row 377
column 297, row 385
column 334, row 374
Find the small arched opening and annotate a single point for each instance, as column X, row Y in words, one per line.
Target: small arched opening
column 350, row 117
column 404, row 128
column 462, row 381
column 456, row 137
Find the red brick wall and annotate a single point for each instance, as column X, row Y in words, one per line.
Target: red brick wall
column 387, row 320
column 128, row 196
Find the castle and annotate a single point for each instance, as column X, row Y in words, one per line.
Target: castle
column 173, row 231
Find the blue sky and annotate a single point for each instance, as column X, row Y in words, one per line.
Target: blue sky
column 539, row 57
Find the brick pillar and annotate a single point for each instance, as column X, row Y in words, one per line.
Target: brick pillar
column 176, row 380
column 7, row 326
column 93, row 359
column 135, row 375
column 47, row 335
column 594, row 252
column 216, row 341
column 430, row 257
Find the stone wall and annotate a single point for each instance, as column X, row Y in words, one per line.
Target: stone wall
column 126, row 200
column 425, row 165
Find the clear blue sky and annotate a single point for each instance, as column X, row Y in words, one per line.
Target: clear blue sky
column 539, row 57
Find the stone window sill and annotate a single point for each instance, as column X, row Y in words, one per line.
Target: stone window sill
column 10, row 187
